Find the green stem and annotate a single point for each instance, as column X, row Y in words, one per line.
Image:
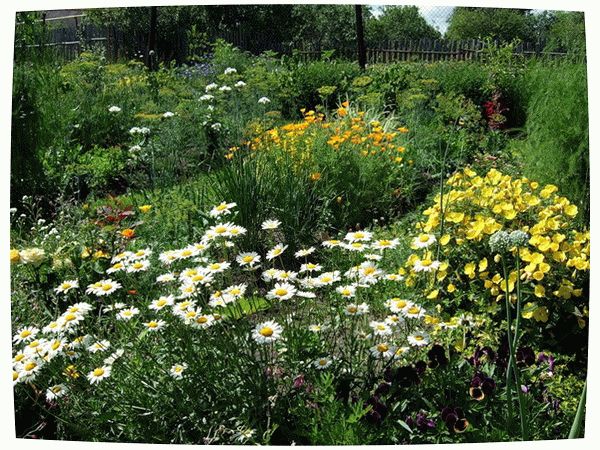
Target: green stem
column 509, row 393
column 579, row 416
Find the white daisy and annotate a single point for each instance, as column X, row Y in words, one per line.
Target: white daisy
column 99, row 346
column 177, row 370
column 103, row 287
column 332, row 243
column 25, row 334
column 423, row 241
column 165, row 278
column 56, row 391
column 138, row 266
column 271, row 224
column 306, row 294
column 352, row 309
column 322, row 363
column 304, row 252
column 141, row 254
column 247, row 259
column 219, row 230
column 282, row 291
column 355, row 246
column 203, row 321
column 284, row 275
column 218, row 267
column 358, row 236
column 222, row 209
column 348, row 291
column 66, row 286
column 383, row 244
column 383, row 350
column 236, row 291
column 116, row 267
column 425, row 265
column 168, row 257
column 99, row 374
column 418, row 338
column 380, row 328
column 414, row 312
column 267, row 332
column 398, row 305
column 276, row 251
column 310, row 267
column 155, row 325
column 394, row 320
column 162, row 302
column 128, row 313
column 328, row 278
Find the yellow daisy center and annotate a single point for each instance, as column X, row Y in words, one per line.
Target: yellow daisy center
column 382, row 348
column 266, row 331
column 98, row 372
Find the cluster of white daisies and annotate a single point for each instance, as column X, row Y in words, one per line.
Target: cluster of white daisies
column 187, row 283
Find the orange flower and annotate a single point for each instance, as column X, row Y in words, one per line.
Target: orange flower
column 128, row 233
column 315, row 176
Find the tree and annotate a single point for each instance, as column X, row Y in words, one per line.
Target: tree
column 502, row 24
column 325, row 27
column 567, row 33
column 399, row 22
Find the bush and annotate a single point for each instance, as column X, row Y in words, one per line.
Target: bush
column 307, row 85
column 556, row 146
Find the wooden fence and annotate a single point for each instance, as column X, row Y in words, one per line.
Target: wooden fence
column 430, row 50
column 68, row 41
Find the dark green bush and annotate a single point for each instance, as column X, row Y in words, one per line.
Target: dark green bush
column 301, row 85
column 556, row 147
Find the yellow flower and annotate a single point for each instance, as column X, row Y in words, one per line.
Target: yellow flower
column 15, row 256
column 315, row 176
column 433, row 294
column 469, row 270
column 145, row 208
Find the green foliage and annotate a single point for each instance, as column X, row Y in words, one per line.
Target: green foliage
column 556, row 146
column 300, row 86
column 398, row 22
column 501, row 24
column 567, row 32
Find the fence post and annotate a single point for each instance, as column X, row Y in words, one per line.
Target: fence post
column 360, row 37
column 152, row 39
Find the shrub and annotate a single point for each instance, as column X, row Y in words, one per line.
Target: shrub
column 554, row 261
column 556, row 147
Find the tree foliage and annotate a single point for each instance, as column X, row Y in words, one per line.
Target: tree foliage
column 399, row 22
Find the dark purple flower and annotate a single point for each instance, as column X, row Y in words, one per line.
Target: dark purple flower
column 481, row 386
column 378, row 410
column 437, row 356
column 383, row 388
column 424, row 423
column 406, row 376
column 454, row 418
column 525, row 356
column 544, row 358
column 420, row 367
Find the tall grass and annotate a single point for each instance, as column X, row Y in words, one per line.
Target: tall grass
column 556, row 147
